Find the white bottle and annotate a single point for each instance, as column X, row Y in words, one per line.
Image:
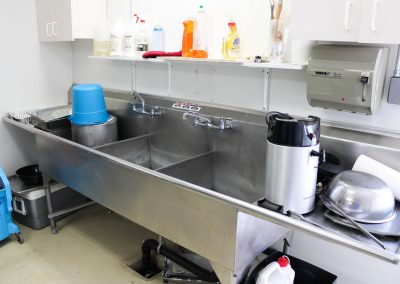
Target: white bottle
column 200, row 34
column 101, row 39
column 142, row 39
column 158, row 38
column 129, row 39
column 277, row 272
column 117, row 38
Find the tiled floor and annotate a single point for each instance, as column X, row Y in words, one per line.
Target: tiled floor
column 91, row 247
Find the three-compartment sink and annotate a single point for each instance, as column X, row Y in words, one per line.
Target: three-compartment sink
column 187, row 183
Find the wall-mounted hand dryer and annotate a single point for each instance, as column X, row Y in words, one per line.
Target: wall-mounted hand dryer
column 347, row 78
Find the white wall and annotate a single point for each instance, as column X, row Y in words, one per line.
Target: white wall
column 32, row 75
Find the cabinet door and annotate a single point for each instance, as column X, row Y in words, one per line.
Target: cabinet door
column 86, row 15
column 330, row 20
column 61, row 24
column 44, row 11
column 378, row 21
column 119, row 9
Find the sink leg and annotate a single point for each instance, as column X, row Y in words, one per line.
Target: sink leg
column 46, row 182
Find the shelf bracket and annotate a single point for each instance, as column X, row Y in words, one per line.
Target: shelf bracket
column 133, row 80
column 266, row 89
column 169, row 79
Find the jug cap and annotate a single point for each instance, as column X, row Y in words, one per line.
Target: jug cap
column 283, row 261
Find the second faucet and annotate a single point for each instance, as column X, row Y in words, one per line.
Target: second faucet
column 198, row 120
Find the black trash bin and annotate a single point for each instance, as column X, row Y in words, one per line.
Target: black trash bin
column 305, row 273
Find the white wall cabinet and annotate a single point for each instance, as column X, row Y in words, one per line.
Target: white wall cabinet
column 66, row 20
column 118, row 9
column 331, row 20
column 379, row 21
column 367, row 21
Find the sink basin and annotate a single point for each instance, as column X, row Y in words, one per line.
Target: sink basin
column 211, row 171
column 141, row 151
column 197, row 170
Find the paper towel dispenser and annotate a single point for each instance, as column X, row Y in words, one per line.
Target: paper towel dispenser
column 347, row 78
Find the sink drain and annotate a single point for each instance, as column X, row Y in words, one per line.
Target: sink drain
column 145, row 273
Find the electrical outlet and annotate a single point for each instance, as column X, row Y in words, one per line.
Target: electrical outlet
column 394, row 91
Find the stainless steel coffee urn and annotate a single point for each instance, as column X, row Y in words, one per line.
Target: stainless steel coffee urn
column 293, row 155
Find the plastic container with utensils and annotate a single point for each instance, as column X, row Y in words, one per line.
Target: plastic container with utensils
column 88, row 105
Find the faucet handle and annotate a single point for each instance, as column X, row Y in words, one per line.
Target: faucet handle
column 225, row 123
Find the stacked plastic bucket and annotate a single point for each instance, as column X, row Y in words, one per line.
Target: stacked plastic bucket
column 91, row 124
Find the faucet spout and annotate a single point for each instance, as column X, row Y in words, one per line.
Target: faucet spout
column 142, row 108
column 198, row 120
column 139, row 97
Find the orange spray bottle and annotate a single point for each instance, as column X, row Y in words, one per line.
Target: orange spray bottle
column 187, row 39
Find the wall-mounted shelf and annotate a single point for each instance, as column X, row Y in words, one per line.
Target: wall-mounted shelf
column 269, row 65
column 203, row 60
column 242, row 63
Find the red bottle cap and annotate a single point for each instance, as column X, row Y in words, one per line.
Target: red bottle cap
column 283, row 261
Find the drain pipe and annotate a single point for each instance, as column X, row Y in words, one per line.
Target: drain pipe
column 153, row 245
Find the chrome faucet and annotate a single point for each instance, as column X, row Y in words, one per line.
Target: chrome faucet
column 142, row 108
column 138, row 96
column 198, row 120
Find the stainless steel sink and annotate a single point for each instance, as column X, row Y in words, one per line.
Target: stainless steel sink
column 198, row 186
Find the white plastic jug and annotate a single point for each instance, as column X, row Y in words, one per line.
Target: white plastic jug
column 277, row 272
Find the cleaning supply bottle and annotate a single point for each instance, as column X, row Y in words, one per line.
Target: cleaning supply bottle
column 187, row 38
column 279, row 25
column 232, row 42
column 158, row 38
column 200, row 48
column 277, row 272
column 117, row 38
column 142, row 39
column 101, row 39
column 129, row 39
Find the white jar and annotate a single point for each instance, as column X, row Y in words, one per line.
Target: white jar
column 117, row 38
column 277, row 272
column 101, row 39
column 129, row 39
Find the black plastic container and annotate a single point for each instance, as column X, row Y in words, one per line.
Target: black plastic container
column 30, row 175
column 305, row 273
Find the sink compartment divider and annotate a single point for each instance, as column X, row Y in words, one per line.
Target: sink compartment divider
column 197, row 170
column 134, row 150
column 123, row 141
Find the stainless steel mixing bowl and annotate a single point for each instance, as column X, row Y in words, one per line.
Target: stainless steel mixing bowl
column 364, row 197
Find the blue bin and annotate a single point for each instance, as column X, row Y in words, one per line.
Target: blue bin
column 88, row 105
column 7, row 227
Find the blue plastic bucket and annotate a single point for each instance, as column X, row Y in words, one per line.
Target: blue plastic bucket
column 88, row 105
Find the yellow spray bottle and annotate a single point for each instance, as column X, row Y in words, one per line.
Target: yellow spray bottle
column 231, row 44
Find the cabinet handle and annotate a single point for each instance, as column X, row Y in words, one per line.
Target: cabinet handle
column 53, row 28
column 374, row 16
column 349, row 6
column 48, row 29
